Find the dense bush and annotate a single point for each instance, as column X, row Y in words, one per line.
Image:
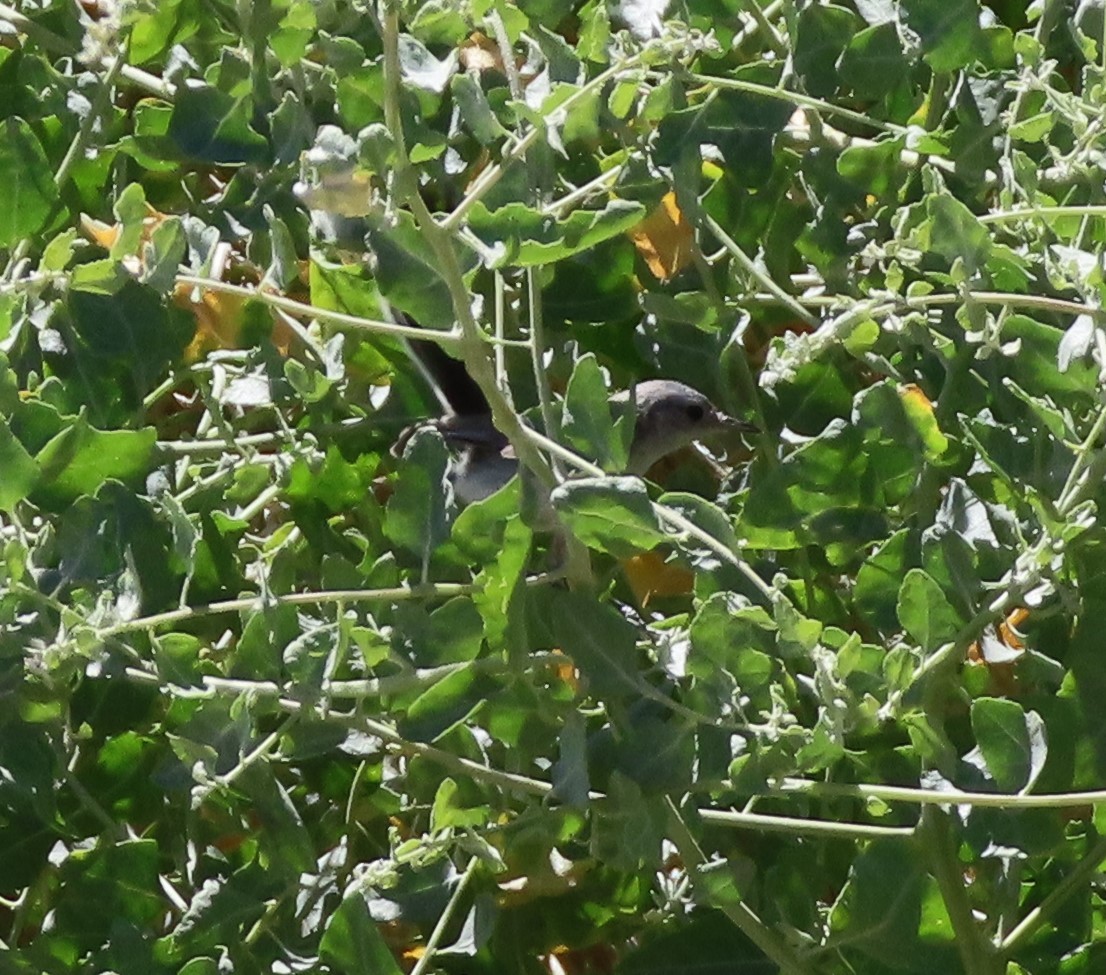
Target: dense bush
column 272, row 703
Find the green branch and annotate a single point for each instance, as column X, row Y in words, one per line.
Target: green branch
column 738, row 911
column 976, row 952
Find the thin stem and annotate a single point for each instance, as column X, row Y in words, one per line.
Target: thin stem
column 785, row 95
column 258, row 504
column 1061, row 305
column 88, row 124
column 438, row 933
column 301, row 310
column 441, row 590
column 968, row 634
column 500, row 327
column 1040, row 34
column 46, row 39
column 210, row 396
column 738, row 911
column 1024, row 213
column 470, row 338
column 508, row 781
column 150, row 82
column 274, row 439
column 791, row 824
column 493, row 174
column 750, row 267
column 261, row 925
column 935, row 797
column 759, row 18
column 264, row 747
column 1084, row 870
column 558, row 208
column 336, row 690
column 976, row 952
column 537, row 359
column 761, row 22
column 828, row 135
column 1069, row 494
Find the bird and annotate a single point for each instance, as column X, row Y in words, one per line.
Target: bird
column 669, row 415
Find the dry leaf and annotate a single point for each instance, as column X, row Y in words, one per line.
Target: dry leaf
column 650, row 576
column 480, row 53
column 664, row 239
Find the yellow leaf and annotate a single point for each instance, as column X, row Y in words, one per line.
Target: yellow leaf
column 649, row 575
column 219, row 317
column 664, row 239
column 919, row 410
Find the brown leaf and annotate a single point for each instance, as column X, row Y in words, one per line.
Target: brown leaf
column 664, row 239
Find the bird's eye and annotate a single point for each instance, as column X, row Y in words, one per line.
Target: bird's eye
column 694, row 412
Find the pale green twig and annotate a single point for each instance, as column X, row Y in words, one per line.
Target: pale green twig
column 438, row 933
column 301, row 310
column 738, row 911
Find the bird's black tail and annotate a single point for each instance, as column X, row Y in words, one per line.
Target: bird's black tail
column 452, row 384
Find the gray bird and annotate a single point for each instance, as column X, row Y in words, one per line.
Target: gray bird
column 669, row 416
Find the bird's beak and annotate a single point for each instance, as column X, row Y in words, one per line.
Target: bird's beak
column 731, row 424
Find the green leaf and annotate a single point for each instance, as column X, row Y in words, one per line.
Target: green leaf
column 108, row 885
column 956, row 232
column 925, row 612
column 1012, row 742
column 27, row 769
column 450, row 634
column 79, row 459
column 291, row 41
column 570, row 773
column 587, row 423
column 352, row 943
column 475, row 109
column 627, row 830
column 874, row 60
column 104, row 277
column 597, row 638
column 284, row 837
column 21, row 472
column 452, row 701
column 1034, row 128
column 421, row 509
column 450, row 812
column 155, row 28
column 408, row 274
column 741, row 125
column 612, row 514
column 210, row 126
column 28, row 182
column 149, row 143
column 949, row 30
column 873, row 168
column 501, row 597
column 523, row 237
column 132, row 324
column 878, row 581
column 823, row 34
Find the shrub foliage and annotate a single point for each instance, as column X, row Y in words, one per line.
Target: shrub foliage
column 274, row 703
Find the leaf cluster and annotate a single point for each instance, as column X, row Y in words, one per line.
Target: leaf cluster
column 821, row 702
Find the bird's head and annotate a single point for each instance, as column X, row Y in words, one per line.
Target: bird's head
column 670, row 416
